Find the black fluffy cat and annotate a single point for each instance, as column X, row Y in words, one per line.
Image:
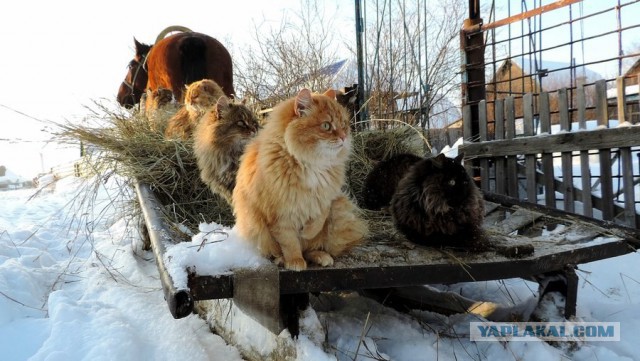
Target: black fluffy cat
column 382, row 180
column 437, row 204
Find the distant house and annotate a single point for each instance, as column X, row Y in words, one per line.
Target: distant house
column 509, row 80
column 10, row 180
column 631, row 95
column 632, row 75
column 513, row 79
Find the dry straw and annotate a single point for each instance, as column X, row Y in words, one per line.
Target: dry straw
column 134, row 146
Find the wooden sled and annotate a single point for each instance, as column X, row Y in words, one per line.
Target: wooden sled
column 532, row 242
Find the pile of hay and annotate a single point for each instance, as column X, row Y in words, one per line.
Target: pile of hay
column 135, row 147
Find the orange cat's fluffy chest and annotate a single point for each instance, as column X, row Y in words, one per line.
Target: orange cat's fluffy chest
column 302, row 191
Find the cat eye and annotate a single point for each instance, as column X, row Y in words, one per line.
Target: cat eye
column 326, row 126
column 452, row 182
column 240, row 123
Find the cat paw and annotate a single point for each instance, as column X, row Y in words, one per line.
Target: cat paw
column 321, row 258
column 296, row 264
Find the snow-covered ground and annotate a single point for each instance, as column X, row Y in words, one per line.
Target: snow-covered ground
column 72, row 287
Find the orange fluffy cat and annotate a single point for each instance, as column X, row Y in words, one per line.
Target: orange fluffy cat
column 158, row 104
column 199, row 96
column 288, row 198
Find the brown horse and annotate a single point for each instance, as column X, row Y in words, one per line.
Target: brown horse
column 174, row 62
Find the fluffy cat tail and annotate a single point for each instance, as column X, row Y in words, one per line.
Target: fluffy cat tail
column 346, row 228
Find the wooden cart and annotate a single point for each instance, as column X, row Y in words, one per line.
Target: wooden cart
column 532, row 242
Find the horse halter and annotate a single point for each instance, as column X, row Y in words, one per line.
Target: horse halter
column 130, row 85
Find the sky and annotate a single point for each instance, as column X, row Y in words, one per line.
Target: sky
column 75, row 285
column 60, row 57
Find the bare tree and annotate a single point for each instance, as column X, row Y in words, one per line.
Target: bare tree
column 412, row 56
column 413, row 60
column 287, row 57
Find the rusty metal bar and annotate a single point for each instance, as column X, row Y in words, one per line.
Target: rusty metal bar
column 522, row 16
column 179, row 300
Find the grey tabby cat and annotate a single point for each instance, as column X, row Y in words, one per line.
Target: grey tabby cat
column 220, row 137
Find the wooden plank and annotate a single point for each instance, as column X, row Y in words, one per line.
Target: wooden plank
column 516, row 220
column 179, row 300
column 501, row 184
column 467, row 133
column 427, row 298
column 628, row 187
column 621, row 99
column 601, row 104
column 606, row 181
column 484, row 163
column 563, row 142
column 581, row 107
column 632, row 235
column 571, row 298
column 544, row 113
column 466, row 123
column 547, row 158
column 566, row 157
column 510, row 134
column 257, row 293
column 327, row 279
column 530, row 159
column 585, row 168
column 490, row 207
column 494, row 217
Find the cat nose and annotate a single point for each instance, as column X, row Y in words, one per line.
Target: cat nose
column 342, row 134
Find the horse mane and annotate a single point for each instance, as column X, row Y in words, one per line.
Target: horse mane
column 171, row 29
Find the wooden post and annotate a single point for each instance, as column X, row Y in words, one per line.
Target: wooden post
column 500, row 161
column 585, row 170
column 547, row 158
column 484, row 163
column 466, row 134
column 606, row 181
column 473, row 78
column 512, row 161
column 567, row 157
column 621, row 99
column 361, row 110
column 530, row 159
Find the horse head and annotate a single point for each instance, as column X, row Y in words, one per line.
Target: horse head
column 135, row 82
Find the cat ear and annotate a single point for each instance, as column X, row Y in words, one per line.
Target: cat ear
column 222, row 105
column 330, row 93
column 303, row 101
column 438, row 161
column 459, row 158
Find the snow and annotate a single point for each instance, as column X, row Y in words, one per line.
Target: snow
column 213, row 242
column 73, row 286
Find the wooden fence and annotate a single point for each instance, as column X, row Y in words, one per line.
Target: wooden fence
column 585, row 167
